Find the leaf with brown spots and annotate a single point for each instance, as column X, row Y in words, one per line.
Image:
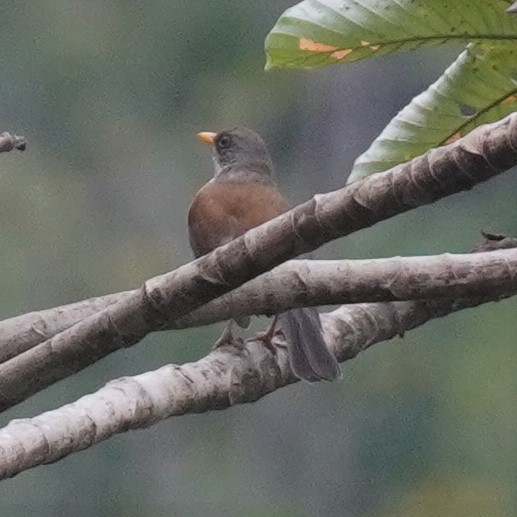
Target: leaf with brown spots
column 478, row 88
column 317, row 33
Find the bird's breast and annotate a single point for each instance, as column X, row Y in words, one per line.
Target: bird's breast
column 221, row 212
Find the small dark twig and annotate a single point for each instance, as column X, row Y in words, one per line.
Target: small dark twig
column 494, row 241
column 9, row 142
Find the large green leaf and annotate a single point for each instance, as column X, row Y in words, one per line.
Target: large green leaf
column 316, row 33
column 479, row 87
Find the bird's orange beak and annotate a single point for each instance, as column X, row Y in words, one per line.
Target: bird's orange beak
column 207, row 137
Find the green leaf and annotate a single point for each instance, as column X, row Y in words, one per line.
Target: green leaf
column 317, row 33
column 479, row 87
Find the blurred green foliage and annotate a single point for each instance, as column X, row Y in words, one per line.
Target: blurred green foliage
column 110, row 95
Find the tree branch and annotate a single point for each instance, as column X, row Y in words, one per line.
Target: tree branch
column 9, row 142
column 225, row 377
column 23, row 332
column 301, row 283
column 483, row 153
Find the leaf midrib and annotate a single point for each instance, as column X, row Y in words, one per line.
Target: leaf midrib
column 474, row 39
column 479, row 113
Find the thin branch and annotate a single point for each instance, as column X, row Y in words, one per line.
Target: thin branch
column 482, row 154
column 9, row 142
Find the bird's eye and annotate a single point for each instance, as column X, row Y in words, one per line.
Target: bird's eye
column 224, row 142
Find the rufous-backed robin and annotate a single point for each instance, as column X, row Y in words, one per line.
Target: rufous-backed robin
column 241, row 196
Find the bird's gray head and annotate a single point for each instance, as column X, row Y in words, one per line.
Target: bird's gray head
column 239, row 151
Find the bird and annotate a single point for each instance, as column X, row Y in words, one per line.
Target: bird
column 241, row 195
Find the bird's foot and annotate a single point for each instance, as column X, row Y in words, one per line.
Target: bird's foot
column 235, row 342
column 266, row 337
column 227, row 338
column 223, row 341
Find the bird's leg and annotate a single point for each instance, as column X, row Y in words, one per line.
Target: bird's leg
column 226, row 337
column 267, row 336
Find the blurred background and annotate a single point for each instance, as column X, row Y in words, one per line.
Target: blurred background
column 110, row 95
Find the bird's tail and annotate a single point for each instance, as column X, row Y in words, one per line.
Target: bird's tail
column 310, row 358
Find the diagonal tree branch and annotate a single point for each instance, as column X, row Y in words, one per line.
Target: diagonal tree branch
column 301, row 283
column 482, row 154
column 225, row 377
column 23, row 332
